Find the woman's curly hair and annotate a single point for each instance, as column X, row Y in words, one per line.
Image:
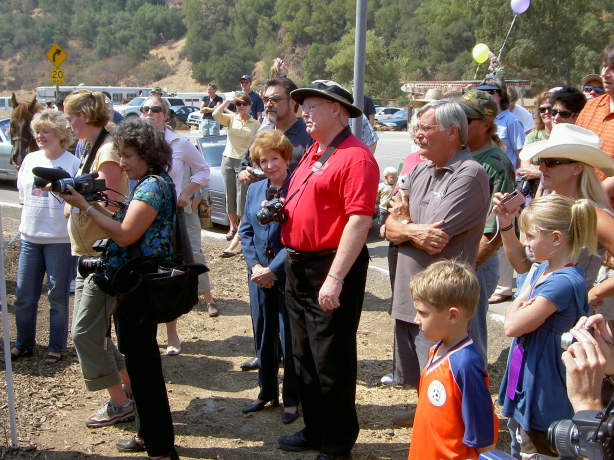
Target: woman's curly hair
column 147, row 140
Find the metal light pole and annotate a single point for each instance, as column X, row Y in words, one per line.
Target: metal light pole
column 359, row 61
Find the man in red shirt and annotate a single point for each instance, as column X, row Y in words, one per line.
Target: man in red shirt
column 329, row 208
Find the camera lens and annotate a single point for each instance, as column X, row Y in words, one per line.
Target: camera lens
column 561, row 435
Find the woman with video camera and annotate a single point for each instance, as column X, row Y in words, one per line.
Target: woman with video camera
column 147, row 222
column 102, row 365
column 264, row 255
column 45, row 246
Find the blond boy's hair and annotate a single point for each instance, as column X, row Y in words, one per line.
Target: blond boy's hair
column 447, row 283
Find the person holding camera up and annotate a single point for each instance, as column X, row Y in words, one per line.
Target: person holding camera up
column 556, row 228
column 102, row 364
column 241, row 130
column 45, row 246
column 265, row 256
column 147, row 222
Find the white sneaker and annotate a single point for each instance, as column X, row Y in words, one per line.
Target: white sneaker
column 388, row 379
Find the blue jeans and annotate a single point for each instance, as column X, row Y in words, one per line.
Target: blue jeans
column 488, row 274
column 210, row 127
column 34, row 260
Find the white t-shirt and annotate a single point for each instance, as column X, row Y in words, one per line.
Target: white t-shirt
column 524, row 116
column 42, row 215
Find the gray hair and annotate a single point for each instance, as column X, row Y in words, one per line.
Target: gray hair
column 449, row 113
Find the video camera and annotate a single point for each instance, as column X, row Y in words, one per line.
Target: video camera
column 589, row 434
column 87, row 184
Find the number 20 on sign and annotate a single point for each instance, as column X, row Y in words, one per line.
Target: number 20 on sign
column 57, row 76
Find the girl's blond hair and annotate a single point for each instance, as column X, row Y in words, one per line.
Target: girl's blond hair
column 91, row 104
column 576, row 219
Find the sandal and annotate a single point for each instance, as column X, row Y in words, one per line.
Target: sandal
column 53, row 357
column 16, row 353
column 498, row 298
column 212, row 309
column 227, row 254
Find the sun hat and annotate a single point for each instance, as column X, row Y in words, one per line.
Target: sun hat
column 571, row 142
column 478, row 103
column 592, row 77
column 330, row 90
column 433, row 94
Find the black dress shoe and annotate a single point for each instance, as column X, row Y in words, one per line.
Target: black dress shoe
column 259, row 405
column 16, row 353
column 296, row 442
column 323, row 456
column 130, row 445
column 289, row 417
column 250, row 365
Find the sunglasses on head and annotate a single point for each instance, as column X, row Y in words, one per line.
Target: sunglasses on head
column 597, row 89
column 242, row 104
column 562, row 113
column 552, row 162
column 545, row 108
column 153, row 108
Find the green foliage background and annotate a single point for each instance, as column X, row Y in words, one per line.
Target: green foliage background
column 554, row 42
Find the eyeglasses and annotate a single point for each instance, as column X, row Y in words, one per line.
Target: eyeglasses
column 153, row 108
column 492, row 91
column 545, row 108
column 552, row 162
column 597, row 89
column 562, row 113
column 424, row 128
column 242, row 104
column 310, row 108
column 273, row 99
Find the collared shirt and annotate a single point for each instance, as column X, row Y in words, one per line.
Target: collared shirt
column 500, row 175
column 511, row 132
column 185, row 154
column 457, row 193
column 598, row 116
column 368, row 136
column 240, row 133
column 346, row 185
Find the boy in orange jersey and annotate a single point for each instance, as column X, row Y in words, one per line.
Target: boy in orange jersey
column 455, row 416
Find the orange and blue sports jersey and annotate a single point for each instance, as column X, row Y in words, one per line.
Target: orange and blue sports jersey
column 455, row 414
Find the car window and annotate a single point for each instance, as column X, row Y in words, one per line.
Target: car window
column 212, row 153
column 137, row 101
column 174, row 102
column 5, row 126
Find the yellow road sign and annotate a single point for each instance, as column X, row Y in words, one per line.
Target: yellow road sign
column 57, row 76
column 56, row 55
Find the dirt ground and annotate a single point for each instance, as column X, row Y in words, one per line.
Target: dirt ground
column 205, row 384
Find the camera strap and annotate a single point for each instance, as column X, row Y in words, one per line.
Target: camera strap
column 87, row 166
column 343, row 135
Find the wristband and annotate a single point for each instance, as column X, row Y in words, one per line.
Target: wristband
column 88, row 209
column 505, row 229
column 335, row 278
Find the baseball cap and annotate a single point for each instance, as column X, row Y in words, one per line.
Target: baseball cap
column 246, row 77
column 480, row 103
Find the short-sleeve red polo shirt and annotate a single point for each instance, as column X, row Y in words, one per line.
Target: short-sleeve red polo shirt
column 345, row 185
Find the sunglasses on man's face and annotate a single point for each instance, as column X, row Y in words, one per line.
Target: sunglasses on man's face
column 562, row 113
column 493, row 91
column 597, row 89
column 153, row 108
column 552, row 162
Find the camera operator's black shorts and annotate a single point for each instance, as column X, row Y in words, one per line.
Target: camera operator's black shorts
column 535, row 442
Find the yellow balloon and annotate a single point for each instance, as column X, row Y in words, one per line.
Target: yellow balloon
column 480, row 53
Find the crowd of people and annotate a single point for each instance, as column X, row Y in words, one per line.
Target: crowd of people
column 485, row 192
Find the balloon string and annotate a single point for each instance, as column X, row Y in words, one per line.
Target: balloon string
column 476, row 72
column 506, row 37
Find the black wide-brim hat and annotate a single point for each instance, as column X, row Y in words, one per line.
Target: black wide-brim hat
column 330, row 90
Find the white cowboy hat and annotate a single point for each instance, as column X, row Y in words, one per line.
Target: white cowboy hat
column 433, row 94
column 571, row 142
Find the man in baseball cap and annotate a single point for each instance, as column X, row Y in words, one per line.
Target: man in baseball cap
column 257, row 104
column 481, row 110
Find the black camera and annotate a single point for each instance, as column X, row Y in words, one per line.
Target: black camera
column 91, row 264
column 256, row 173
column 273, row 208
column 87, row 185
column 590, row 434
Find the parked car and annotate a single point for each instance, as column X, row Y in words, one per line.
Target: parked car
column 397, row 121
column 212, row 148
column 132, row 108
column 385, row 112
column 7, row 170
column 183, row 112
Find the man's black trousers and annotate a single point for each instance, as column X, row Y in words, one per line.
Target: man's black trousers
column 324, row 346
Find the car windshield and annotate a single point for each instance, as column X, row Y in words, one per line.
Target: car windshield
column 137, row 101
column 174, row 102
column 5, row 126
column 212, row 152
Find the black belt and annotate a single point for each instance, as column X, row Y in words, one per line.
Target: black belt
column 304, row 255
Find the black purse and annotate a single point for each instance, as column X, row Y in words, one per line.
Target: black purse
column 151, row 290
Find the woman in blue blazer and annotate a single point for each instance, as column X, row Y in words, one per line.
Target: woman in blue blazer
column 265, row 256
